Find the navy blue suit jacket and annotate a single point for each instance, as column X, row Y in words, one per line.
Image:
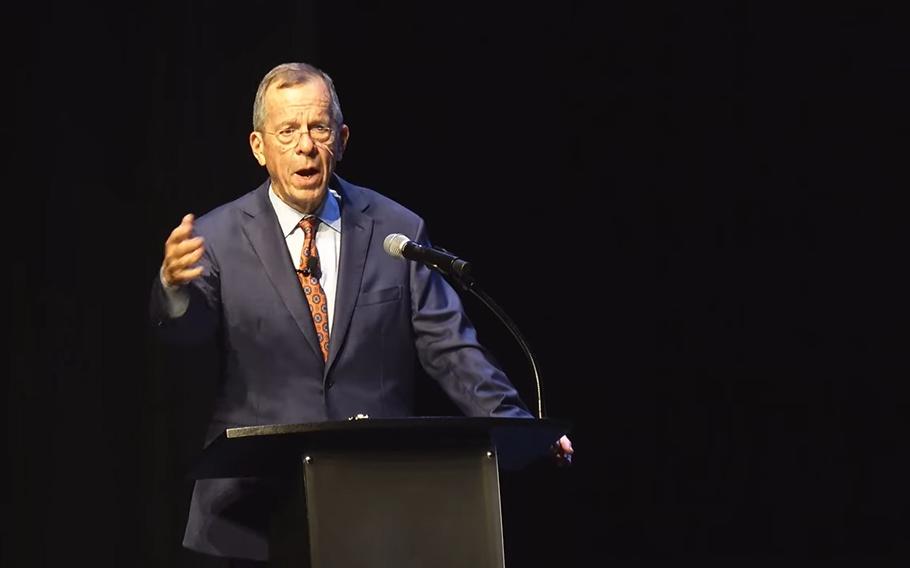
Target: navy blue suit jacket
column 389, row 314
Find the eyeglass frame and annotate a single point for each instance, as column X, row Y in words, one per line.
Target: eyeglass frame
column 295, row 140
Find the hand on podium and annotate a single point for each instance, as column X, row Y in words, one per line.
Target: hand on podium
column 562, row 451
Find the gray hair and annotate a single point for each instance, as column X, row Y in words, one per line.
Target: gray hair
column 288, row 75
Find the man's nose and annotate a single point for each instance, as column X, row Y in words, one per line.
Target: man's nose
column 305, row 144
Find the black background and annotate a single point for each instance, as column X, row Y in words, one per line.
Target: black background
column 691, row 212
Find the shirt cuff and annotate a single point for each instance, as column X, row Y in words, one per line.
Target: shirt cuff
column 176, row 298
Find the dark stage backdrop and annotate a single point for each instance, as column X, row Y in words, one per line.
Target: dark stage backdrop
column 686, row 210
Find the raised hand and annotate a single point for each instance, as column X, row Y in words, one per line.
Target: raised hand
column 181, row 253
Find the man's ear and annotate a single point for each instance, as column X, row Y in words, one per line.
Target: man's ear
column 256, row 145
column 342, row 142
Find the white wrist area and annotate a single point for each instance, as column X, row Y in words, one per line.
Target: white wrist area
column 177, row 298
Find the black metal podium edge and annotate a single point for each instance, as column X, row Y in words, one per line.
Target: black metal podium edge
column 273, row 449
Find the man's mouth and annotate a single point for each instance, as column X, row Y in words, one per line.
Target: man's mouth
column 307, row 174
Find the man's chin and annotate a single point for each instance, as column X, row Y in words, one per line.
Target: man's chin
column 307, row 190
column 307, row 199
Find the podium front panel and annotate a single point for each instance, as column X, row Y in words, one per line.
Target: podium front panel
column 404, row 508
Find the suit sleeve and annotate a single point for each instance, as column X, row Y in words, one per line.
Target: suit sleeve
column 448, row 349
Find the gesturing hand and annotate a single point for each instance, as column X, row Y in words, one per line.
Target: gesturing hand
column 181, row 253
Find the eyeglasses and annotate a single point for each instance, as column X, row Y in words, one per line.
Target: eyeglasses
column 290, row 135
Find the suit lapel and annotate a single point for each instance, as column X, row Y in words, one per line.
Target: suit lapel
column 261, row 228
column 356, row 232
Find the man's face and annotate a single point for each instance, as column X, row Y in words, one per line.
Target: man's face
column 295, row 145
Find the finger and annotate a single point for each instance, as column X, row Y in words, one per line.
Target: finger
column 560, row 456
column 566, row 445
column 188, row 262
column 183, row 248
column 173, row 252
column 182, row 231
column 185, row 261
column 173, row 263
column 184, row 276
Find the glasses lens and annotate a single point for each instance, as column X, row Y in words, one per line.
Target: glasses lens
column 320, row 133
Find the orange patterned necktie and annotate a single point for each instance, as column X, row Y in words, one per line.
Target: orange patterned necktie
column 308, row 274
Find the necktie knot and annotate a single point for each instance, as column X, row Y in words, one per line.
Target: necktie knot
column 308, row 224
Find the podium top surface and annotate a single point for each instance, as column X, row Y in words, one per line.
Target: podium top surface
column 273, row 448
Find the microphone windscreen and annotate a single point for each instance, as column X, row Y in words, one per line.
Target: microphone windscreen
column 394, row 244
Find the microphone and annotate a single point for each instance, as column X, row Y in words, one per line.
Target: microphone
column 400, row 246
column 312, row 267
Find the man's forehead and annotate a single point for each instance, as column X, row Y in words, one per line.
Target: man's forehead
column 291, row 98
column 310, row 89
column 299, row 108
column 302, row 106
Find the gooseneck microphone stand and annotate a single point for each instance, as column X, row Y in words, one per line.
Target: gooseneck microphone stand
column 466, row 281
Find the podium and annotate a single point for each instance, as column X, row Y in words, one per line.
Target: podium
column 369, row 493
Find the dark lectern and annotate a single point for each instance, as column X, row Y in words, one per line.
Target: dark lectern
column 410, row 492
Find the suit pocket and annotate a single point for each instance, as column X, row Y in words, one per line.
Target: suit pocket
column 379, row 296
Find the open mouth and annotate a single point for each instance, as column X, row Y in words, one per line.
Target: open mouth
column 307, row 175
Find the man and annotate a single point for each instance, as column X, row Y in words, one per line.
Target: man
column 314, row 320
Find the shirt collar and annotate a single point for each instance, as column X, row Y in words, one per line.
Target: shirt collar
column 288, row 217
